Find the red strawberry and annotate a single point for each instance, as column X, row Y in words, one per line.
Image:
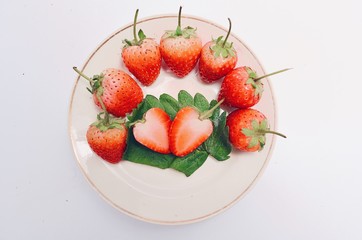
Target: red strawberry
column 217, row 58
column 180, row 49
column 190, row 129
column 247, row 129
column 119, row 92
column 142, row 56
column 107, row 138
column 152, row 131
column 242, row 88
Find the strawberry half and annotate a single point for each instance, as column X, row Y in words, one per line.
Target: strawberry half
column 190, row 129
column 152, row 131
column 142, row 56
column 119, row 92
column 217, row 58
column 247, row 129
column 242, row 88
column 181, row 49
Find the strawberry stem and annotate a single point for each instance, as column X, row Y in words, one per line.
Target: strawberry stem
column 82, row 74
column 106, row 114
column 179, row 17
column 227, row 36
column 178, row 29
column 270, row 74
column 273, row 132
column 208, row 113
column 134, row 27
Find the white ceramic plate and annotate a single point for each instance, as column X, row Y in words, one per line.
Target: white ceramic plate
column 167, row 196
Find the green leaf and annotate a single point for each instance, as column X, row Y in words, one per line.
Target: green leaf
column 185, row 99
column 141, row 35
column 190, row 163
column 218, row 145
column 201, row 102
column 216, row 112
column 170, row 105
column 137, row 153
column 148, row 102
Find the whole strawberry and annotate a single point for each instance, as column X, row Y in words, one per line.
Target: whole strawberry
column 217, row 58
column 107, row 137
column 247, row 129
column 119, row 92
column 142, row 56
column 242, row 88
column 180, row 49
column 189, row 129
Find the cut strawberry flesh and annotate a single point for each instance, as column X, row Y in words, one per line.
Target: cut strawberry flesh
column 188, row 132
column 153, row 132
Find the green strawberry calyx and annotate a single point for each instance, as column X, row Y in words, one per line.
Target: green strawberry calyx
column 223, row 47
column 105, row 121
column 187, row 32
column 95, row 82
column 141, row 36
column 254, row 80
column 257, row 133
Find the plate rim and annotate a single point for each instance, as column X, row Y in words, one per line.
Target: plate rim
column 191, row 220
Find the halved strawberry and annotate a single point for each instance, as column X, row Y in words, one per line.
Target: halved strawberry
column 190, row 129
column 152, row 131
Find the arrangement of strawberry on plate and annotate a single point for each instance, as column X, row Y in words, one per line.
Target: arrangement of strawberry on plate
column 175, row 127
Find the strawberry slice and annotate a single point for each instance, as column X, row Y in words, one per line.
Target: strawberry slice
column 190, row 129
column 152, row 131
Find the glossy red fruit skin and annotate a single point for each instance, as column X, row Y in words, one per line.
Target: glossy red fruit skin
column 236, row 91
column 121, row 93
column 143, row 61
column 180, row 54
column 110, row 144
column 212, row 69
column 236, row 121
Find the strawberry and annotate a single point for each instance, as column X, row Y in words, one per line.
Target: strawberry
column 181, row 49
column 217, row 58
column 242, row 88
column 107, row 137
column 190, row 129
column 142, row 56
column 247, row 129
column 152, row 131
column 119, row 92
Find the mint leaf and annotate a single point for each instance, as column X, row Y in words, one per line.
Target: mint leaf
column 190, row 163
column 185, row 99
column 201, row 102
column 170, row 105
column 137, row 153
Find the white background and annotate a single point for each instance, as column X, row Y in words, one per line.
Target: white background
column 312, row 186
